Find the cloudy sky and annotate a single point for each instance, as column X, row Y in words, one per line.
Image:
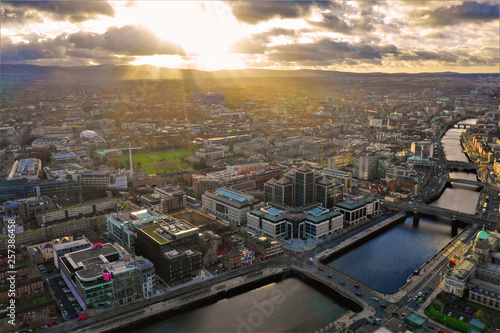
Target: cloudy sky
column 359, row 36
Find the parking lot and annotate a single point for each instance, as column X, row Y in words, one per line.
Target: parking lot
column 66, row 300
column 453, row 310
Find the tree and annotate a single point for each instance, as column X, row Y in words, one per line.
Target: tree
column 202, row 164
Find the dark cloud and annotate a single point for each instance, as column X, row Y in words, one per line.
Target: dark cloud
column 341, row 17
column 436, row 35
column 116, row 44
column 126, row 40
column 254, row 12
column 333, row 22
column 132, row 40
column 257, row 43
column 443, row 56
column 458, row 14
column 12, row 16
column 330, row 51
column 62, row 10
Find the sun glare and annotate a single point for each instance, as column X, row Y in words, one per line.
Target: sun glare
column 205, row 30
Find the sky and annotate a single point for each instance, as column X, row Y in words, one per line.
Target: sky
column 353, row 36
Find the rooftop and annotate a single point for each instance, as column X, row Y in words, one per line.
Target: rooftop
column 76, row 258
column 168, row 230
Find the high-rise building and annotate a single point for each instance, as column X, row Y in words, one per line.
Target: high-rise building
column 424, row 149
column 303, row 187
column 305, row 200
column 365, row 167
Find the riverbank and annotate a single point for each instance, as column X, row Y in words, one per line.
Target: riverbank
column 136, row 320
column 364, row 236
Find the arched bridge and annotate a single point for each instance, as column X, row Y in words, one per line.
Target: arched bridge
column 463, row 125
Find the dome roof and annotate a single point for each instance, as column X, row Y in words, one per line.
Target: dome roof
column 482, row 235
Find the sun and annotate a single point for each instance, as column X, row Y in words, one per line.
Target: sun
column 205, row 30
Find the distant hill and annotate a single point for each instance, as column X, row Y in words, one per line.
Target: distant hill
column 22, row 74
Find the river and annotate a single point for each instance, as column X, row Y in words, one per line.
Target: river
column 291, row 305
column 385, row 262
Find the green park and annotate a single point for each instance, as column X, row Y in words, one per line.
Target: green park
column 157, row 161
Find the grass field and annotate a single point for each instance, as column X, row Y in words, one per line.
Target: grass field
column 157, row 161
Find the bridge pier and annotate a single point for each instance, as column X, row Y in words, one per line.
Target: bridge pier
column 416, row 217
column 454, row 226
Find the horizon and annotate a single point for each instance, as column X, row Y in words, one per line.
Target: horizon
column 248, row 69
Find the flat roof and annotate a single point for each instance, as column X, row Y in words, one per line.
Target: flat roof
column 415, row 318
column 233, row 195
column 75, row 258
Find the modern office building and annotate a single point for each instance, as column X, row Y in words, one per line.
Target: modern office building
column 303, row 187
column 229, row 205
column 125, row 224
column 61, row 246
column 172, row 245
column 301, row 206
column 357, row 211
column 342, row 176
column 424, row 149
column 102, row 276
column 315, row 223
column 24, row 188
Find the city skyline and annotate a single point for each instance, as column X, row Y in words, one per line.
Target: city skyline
column 350, row 36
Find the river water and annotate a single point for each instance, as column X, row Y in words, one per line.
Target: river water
column 384, row 263
column 290, row 305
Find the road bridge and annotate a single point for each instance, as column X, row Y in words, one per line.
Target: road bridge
column 461, row 165
column 463, row 125
column 443, row 212
column 467, row 182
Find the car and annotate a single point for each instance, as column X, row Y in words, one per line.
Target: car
column 359, row 294
column 329, row 276
column 471, row 312
column 376, row 299
column 461, row 318
column 356, row 286
column 441, row 331
column 449, row 314
column 320, row 269
column 342, row 283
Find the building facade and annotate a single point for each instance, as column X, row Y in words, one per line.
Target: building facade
column 229, row 205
